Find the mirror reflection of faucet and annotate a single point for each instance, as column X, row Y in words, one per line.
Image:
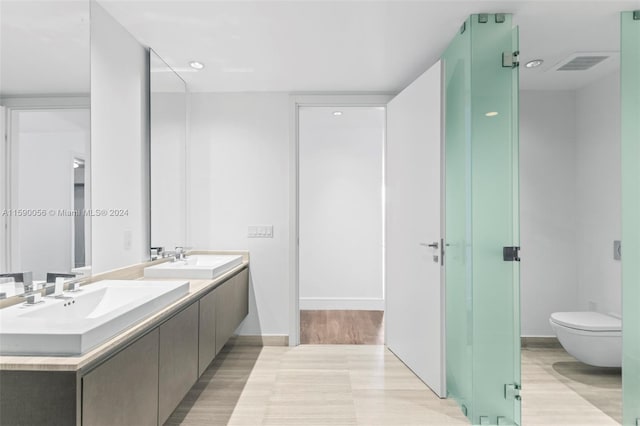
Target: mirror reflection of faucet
column 157, row 253
column 20, row 284
column 56, row 289
column 55, row 284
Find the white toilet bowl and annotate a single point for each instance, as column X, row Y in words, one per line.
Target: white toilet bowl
column 590, row 337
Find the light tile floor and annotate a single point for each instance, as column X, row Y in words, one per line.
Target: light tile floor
column 559, row 390
column 367, row 385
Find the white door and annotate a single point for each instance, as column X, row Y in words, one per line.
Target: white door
column 414, row 293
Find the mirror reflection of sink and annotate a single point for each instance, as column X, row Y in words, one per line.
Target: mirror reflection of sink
column 195, row 266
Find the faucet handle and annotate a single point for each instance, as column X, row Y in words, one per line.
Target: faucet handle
column 33, row 298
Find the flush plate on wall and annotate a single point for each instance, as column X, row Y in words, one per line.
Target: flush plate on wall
column 260, row 231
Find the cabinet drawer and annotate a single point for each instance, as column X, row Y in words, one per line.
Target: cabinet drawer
column 178, row 360
column 124, row 389
column 207, row 331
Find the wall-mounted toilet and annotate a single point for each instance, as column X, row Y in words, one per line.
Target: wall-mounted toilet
column 591, row 337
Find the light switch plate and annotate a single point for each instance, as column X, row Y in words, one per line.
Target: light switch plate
column 128, row 235
column 260, row 231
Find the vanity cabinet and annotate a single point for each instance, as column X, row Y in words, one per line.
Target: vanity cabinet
column 137, row 383
column 232, row 306
column 124, row 389
column 207, row 331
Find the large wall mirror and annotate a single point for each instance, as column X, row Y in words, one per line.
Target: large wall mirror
column 45, row 196
column 168, row 103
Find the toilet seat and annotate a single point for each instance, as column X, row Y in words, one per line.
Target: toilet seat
column 587, row 321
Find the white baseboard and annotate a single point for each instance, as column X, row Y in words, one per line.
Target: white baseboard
column 336, row 303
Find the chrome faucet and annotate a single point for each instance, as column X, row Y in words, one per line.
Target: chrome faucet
column 54, row 287
column 180, row 253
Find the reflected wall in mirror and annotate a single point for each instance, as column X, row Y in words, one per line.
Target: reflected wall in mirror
column 46, row 162
column 168, row 155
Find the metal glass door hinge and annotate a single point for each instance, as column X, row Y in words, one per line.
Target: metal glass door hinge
column 512, row 391
column 511, row 254
column 510, row 59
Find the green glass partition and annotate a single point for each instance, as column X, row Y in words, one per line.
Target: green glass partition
column 459, row 345
column 481, row 220
column 630, row 92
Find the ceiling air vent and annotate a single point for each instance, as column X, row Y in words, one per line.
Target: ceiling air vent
column 582, row 63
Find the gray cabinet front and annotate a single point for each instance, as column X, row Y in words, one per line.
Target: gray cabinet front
column 207, row 332
column 178, row 359
column 232, row 306
column 124, row 389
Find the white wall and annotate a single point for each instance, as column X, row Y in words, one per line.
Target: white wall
column 44, row 145
column 340, row 202
column 569, row 202
column 549, row 280
column 119, row 143
column 599, row 194
column 239, row 176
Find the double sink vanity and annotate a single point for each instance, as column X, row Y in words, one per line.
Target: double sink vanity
column 125, row 348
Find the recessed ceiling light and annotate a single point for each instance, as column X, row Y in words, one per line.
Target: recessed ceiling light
column 491, row 114
column 196, row 65
column 534, row 64
column 337, row 113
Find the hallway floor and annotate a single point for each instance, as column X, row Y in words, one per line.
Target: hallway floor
column 367, row 385
column 340, row 327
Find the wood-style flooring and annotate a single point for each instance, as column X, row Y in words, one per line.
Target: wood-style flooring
column 342, row 327
column 325, row 385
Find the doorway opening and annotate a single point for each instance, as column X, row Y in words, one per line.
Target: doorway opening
column 341, row 224
column 570, row 187
column 48, row 173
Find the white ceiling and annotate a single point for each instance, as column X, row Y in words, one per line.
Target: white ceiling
column 296, row 45
column 350, row 45
column 44, row 47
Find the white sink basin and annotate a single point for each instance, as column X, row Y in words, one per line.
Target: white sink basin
column 195, row 266
column 88, row 318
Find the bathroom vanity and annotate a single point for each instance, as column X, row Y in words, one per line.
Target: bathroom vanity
column 137, row 377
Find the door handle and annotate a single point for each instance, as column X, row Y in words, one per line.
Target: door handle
column 432, row 245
